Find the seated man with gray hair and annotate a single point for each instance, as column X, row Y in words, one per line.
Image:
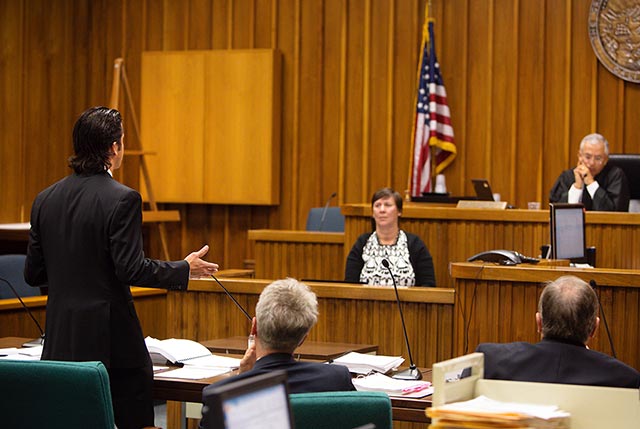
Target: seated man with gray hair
column 285, row 313
column 567, row 319
column 593, row 182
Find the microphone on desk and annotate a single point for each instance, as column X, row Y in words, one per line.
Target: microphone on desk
column 324, row 210
column 604, row 318
column 412, row 373
column 232, row 298
column 37, row 341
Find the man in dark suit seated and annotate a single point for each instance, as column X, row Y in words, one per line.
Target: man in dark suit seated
column 567, row 319
column 285, row 313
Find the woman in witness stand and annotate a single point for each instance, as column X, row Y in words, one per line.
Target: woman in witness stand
column 408, row 257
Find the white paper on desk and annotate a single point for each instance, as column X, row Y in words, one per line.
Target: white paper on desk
column 9, row 351
column 20, row 357
column 192, row 373
column 486, row 405
column 31, row 351
column 381, row 383
column 214, row 361
column 362, row 363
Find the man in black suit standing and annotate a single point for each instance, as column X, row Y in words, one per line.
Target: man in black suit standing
column 85, row 244
column 567, row 319
column 285, row 313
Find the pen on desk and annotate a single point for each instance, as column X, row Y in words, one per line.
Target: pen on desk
column 417, row 388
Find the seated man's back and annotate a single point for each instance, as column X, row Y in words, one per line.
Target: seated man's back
column 551, row 361
column 567, row 319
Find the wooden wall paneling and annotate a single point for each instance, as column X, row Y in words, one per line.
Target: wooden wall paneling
column 200, row 29
column 389, row 84
column 631, row 142
column 243, row 24
column 46, row 102
column 405, row 48
column 455, row 59
column 365, row 158
column 503, row 84
column 608, row 107
column 12, row 145
column 331, row 146
column 310, row 153
column 582, row 61
column 219, row 21
column 354, row 180
column 530, row 110
column 264, row 37
column 479, row 153
column 557, row 95
column 175, row 26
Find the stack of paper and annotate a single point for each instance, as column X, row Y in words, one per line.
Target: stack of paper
column 25, row 353
column 482, row 412
column 377, row 382
column 187, row 352
column 361, row 363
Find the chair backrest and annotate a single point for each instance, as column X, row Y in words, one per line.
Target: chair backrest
column 12, row 270
column 333, row 220
column 51, row 394
column 630, row 164
column 341, row 410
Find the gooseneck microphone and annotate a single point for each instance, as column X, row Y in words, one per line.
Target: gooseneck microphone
column 232, row 298
column 324, row 210
column 604, row 318
column 412, row 373
column 37, row 341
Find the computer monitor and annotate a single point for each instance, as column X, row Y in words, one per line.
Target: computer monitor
column 567, row 231
column 483, row 189
column 250, row 403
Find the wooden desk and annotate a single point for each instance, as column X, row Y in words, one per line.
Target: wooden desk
column 347, row 314
column 313, row 350
column 178, row 390
column 298, row 254
column 498, row 304
column 151, row 307
column 453, row 234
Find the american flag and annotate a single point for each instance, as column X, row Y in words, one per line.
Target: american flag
column 433, row 133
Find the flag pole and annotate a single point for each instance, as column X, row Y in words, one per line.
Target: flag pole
column 432, row 159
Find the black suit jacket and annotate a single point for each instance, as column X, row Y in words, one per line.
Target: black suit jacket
column 552, row 361
column 302, row 377
column 85, row 243
column 612, row 195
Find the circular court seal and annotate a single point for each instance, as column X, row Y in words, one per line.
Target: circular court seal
column 614, row 30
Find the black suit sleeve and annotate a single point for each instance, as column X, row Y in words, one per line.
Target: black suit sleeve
column 35, row 273
column 125, row 241
column 560, row 190
column 421, row 261
column 355, row 261
column 614, row 195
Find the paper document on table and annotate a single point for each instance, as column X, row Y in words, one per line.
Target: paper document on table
column 192, row 373
column 361, row 363
column 25, row 353
column 486, row 412
column 405, row 388
column 214, row 361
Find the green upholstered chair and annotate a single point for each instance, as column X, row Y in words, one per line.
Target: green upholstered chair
column 341, row 410
column 52, row 395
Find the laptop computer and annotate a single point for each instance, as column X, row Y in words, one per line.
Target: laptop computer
column 249, row 403
column 483, row 189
